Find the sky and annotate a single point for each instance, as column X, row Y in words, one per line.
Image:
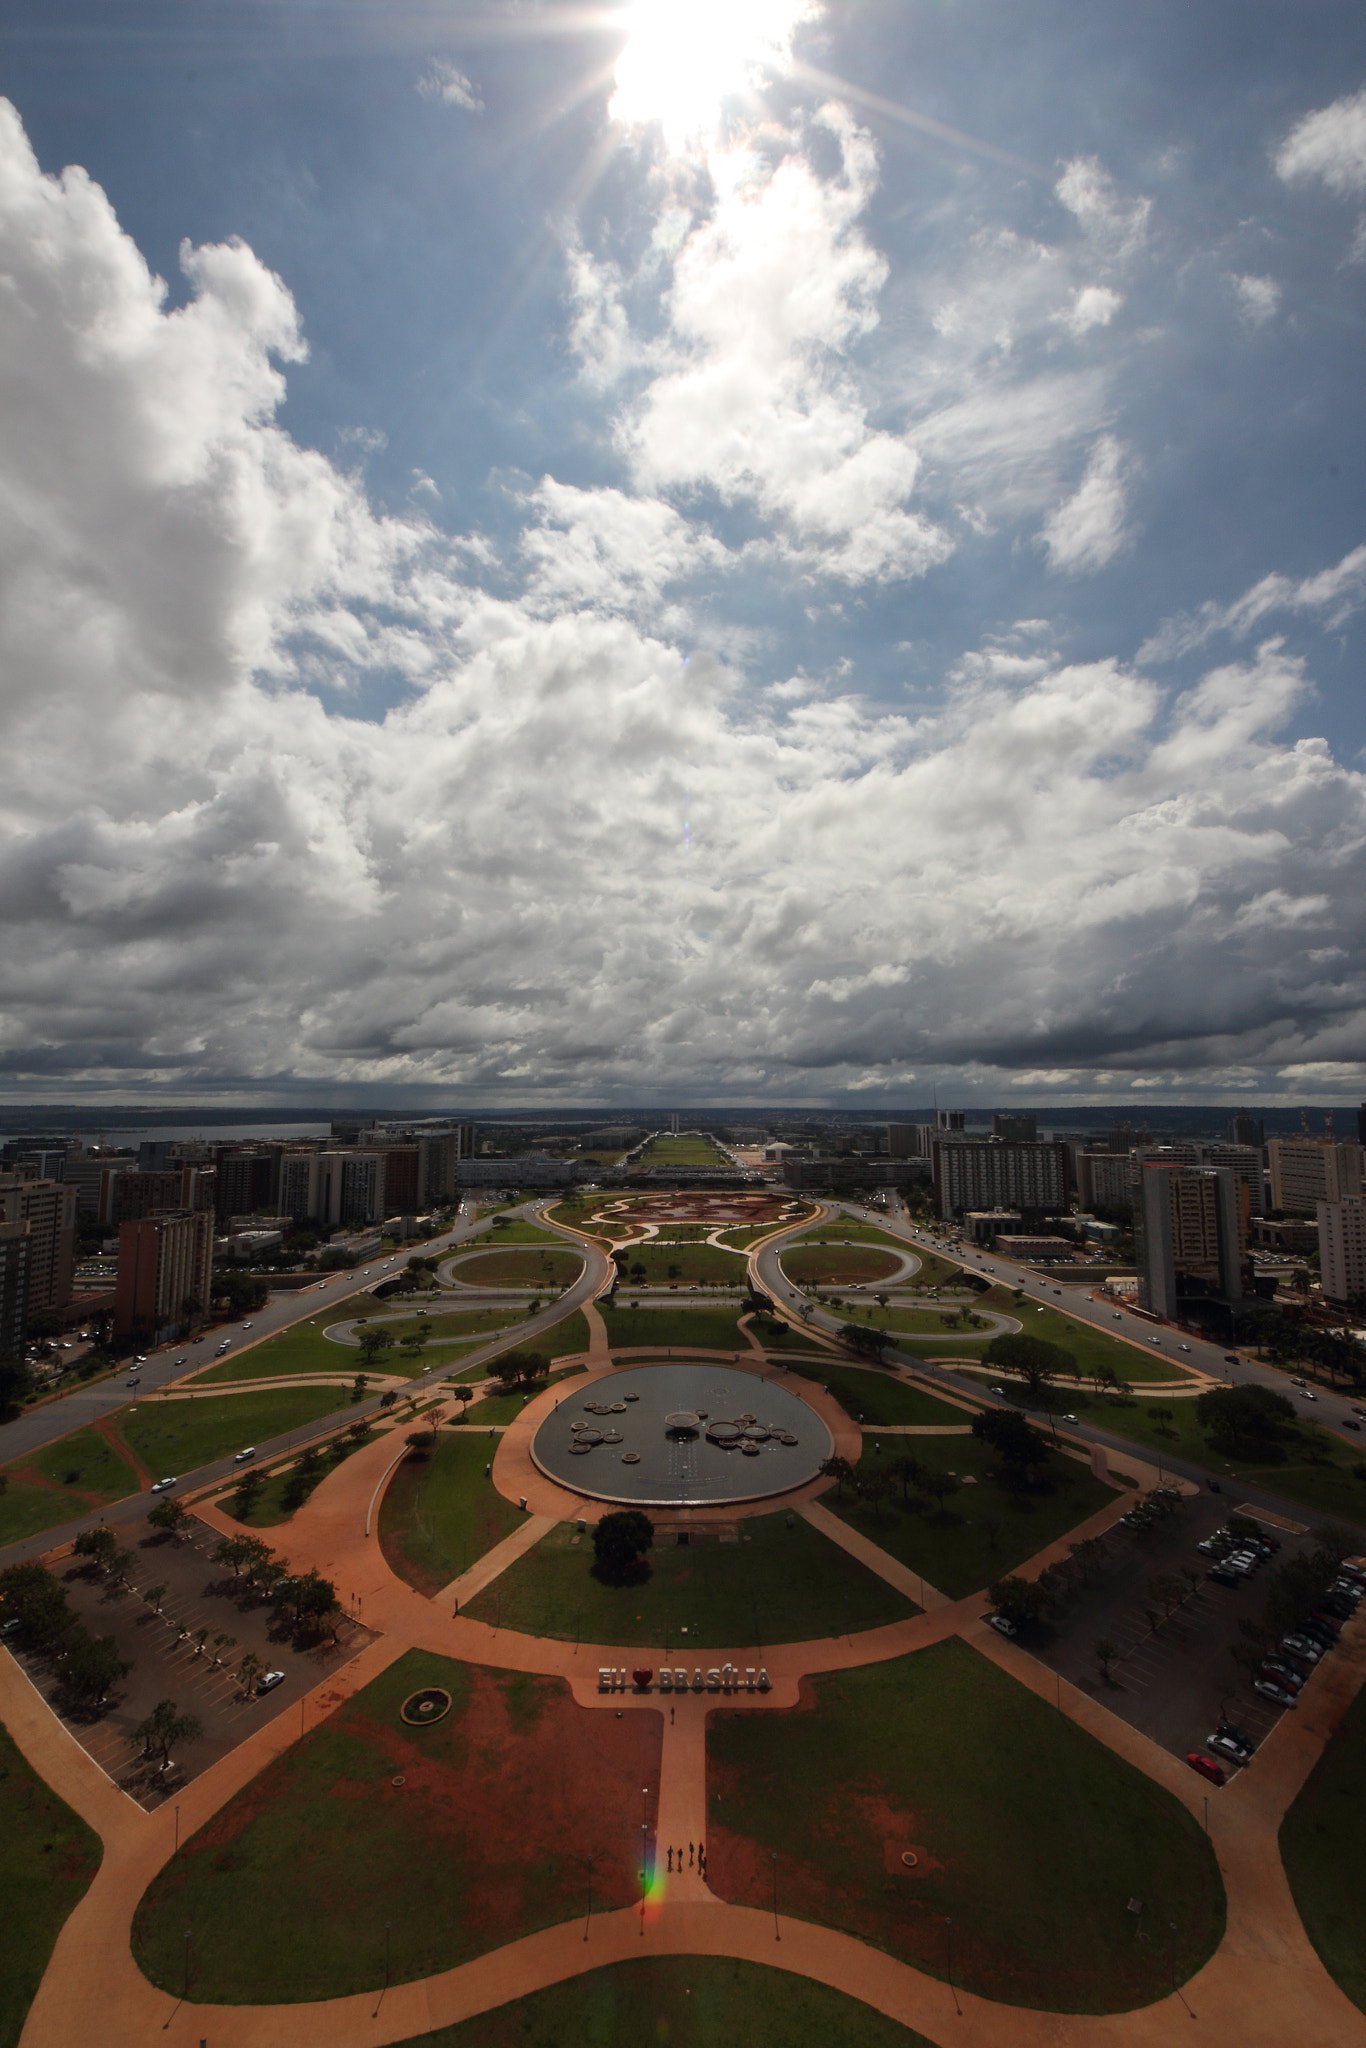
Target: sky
column 704, row 551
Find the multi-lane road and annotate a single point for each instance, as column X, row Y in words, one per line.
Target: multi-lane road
column 45, row 1424
column 1181, row 1347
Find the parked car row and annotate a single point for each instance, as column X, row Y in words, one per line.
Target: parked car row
column 1284, row 1671
column 1237, row 1557
column 1151, row 1508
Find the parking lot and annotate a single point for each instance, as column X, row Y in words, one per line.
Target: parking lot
column 169, row 1664
column 1177, row 1682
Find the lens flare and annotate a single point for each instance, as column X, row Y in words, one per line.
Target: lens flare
column 683, row 58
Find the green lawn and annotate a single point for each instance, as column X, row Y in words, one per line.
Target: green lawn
column 1333, row 1487
column 87, row 1463
column 985, row 1530
column 181, row 1435
column 679, row 2002
column 681, row 1151
column 743, row 1239
column 303, row 1348
column 1321, row 1849
column 440, row 1514
column 848, row 1230
column 549, row 1270
column 482, row 1839
column 699, row 1329
column 516, row 1230
column 809, row 1264
column 877, row 1397
column 776, row 1585
column 697, row 1265
column 1091, row 1347
column 25, row 1510
column 47, row 1858
column 1032, row 1836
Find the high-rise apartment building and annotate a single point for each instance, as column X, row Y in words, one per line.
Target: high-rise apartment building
column 1105, row 1180
column 1342, row 1249
column 1018, row 1127
column 248, row 1182
column 13, row 1288
column 999, row 1176
column 1243, row 1128
column 1190, row 1232
column 1307, row 1171
column 49, row 1209
column 165, row 1274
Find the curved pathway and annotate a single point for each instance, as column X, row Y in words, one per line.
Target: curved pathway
column 1263, row 1984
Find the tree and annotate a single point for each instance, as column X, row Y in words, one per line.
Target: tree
column 1019, row 1447
column 906, row 1469
column 387, row 1401
column 170, row 1516
column 1248, row 1422
column 374, row 1340
column 99, row 1545
column 1105, row 1654
column 248, row 1492
column 840, row 1470
column 249, row 1670
column 1037, row 1362
column 620, row 1542
column 421, row 1442
column 90, row 1665
column 33, row 1596
column 1167, row 1591
column 941, row 1486
column 201, row 1637
column 1019, row 1600
column 222, row 1643
column 358, row 1385
column 154, row 1595
column 163, row 1728
column 874, row 1486
column 240, row 1293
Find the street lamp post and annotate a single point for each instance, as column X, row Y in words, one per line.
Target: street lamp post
column 589, row 1914
column 777, row 1936
column 948, row 1939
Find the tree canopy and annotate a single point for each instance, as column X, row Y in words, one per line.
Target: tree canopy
column 1246, row 1422
column 620, row 1542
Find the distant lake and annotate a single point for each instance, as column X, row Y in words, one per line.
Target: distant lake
column 213, row 1134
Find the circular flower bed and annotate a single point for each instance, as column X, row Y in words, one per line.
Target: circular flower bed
column 424, row 1709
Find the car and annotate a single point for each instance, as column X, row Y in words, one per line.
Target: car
column 998, row 1390
column 1358, row 1411
column 246, row 1326
column 1282, row 1671
column 163, row 1486
column 1213, row 1546
column 1155, row 1340
column 1001, row 1624
column 1277, row 1694
column 1353, row 1571
column 141, row 1358
column 1070, row 1418
column 1238, row 1735
column 242, row 1456
column 1338, row 1609
column 1222, row 1576
column 179, row 1362
column 1350, row 1422
column 1183, row 1347
column 1303, row 1667
column 1296, row 1380
column 1224, row 1745
column 1232, row 1358
column 268, row 1681
column 1206, row 1766
column 1306, row 1395
column 1325, row 1625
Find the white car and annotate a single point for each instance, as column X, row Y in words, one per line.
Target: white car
column 163, row 1485
column 1000, row 1624
column 242, row 1456
column 269, row 1680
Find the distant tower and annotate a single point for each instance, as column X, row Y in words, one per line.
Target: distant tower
column 673, row 1121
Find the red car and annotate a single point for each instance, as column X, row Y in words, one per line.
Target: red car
column 1206, row 1766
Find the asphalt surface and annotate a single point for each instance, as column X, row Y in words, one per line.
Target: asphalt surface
column 1180, row 1346
column 88, row 1404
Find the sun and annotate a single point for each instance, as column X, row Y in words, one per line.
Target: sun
column 683, row 58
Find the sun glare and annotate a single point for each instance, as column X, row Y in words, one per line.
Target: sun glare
column 683, row 58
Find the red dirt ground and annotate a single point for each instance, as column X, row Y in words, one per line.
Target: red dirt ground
column 513, row 1792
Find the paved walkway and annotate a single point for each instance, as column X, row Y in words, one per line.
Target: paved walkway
column 1264, row 1985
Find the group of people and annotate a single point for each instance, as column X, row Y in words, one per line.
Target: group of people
column 701, row 1859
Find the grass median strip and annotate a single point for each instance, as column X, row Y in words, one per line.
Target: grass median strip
column 1320, row 1845
column 178, row 1436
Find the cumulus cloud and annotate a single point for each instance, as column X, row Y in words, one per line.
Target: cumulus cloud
column 580, row 856
column 442, row 81
column 1330, row 145
column 750, row 393
column 1259, row 298
column 1331, row 595
column 1089, row 529
column 1109, row 217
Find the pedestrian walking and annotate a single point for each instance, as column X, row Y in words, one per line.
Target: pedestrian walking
column 690, row 1855
column 671, row 1862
